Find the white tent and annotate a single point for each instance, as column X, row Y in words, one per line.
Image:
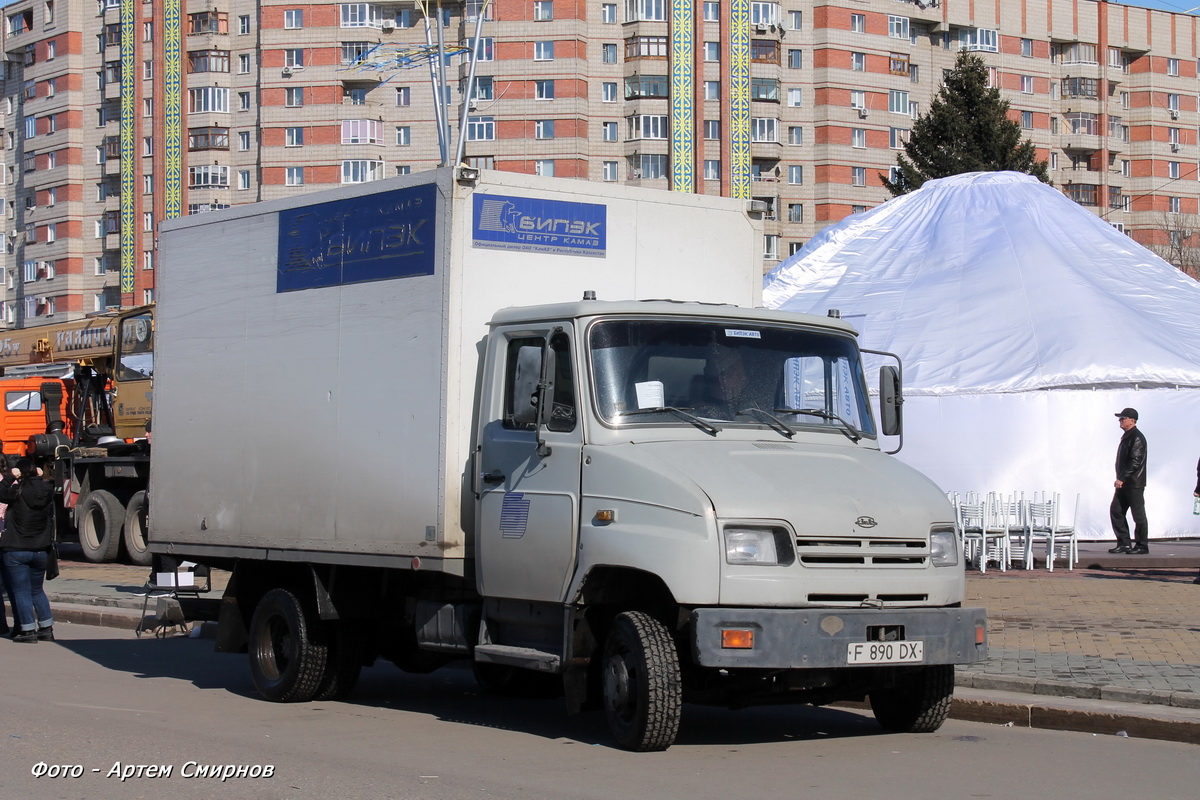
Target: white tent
column 1025, row 322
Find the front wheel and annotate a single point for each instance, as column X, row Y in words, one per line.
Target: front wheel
column 918, row 703
column 643, row 696
column 288, row 652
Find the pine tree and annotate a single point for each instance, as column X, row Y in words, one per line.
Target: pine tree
column 966, row 130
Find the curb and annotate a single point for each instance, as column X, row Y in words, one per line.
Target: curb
column 1064, row 689
column 1135, row 720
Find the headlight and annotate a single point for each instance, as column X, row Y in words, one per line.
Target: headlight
column 943, row 546
column 750, row 546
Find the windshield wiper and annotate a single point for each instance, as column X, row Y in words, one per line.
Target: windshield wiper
column 772, row 421
column 679, row 412
column 817, row 412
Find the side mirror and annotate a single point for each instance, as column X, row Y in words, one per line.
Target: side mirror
column 525, row 385
column 890, row 401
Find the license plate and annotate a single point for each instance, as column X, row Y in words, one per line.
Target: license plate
column 885, row 652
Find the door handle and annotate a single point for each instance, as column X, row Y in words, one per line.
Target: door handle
column 492, row 477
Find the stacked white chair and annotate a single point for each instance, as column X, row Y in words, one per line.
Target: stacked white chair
column 995, row 534
column 1039, row 527
column 969, row 517
column 1061, row 539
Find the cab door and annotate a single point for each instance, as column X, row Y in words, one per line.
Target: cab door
column 529, row 492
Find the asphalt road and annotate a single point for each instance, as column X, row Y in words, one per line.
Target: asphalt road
column 102, row 703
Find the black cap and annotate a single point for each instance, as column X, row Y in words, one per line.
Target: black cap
column 1127, row 412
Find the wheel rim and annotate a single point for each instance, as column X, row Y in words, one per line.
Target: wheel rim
column 620, row 693
column 275, row 648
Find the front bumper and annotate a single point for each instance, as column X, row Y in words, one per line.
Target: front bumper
column 819, row 638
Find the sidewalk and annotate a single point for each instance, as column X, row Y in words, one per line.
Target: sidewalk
column 1113, row 646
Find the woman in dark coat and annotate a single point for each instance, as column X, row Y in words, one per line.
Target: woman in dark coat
column 25, row 543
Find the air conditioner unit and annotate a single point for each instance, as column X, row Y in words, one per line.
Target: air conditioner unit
column 862, row 113
column 288, row 70
column 1174, row 147
column 388, row 25
column 1174, row 113
column 761, row 27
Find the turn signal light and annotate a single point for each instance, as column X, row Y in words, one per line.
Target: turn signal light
column 737, row 640
column 980, row 634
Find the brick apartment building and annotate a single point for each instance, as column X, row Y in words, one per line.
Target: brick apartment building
column 121, row 113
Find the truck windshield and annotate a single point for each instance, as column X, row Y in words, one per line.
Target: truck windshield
column 646, row 371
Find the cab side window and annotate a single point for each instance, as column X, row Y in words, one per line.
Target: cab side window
column 563, row 410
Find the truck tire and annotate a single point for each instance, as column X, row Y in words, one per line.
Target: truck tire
column 343, row 664
column 918, row 703
column 287, row 648
column 137, row 547
column 643, row 696
column 100, row 517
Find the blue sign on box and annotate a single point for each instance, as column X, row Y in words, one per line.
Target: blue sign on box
column 375, row 237
column 530, row 225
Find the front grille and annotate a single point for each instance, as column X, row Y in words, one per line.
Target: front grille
column 817, row 552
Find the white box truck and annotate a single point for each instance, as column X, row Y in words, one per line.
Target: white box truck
column 442, row 417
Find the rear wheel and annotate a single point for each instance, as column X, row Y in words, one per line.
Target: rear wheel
column 100, row 517
column 643, row 696
column 136, row 545
column 287, row 648
column 918, row 703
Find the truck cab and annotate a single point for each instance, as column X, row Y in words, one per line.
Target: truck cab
column 715, row 472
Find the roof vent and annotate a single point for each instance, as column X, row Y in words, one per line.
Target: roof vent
column 589, row 294
column 835, row 314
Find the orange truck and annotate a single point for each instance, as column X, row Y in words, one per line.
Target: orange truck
column 86, row 425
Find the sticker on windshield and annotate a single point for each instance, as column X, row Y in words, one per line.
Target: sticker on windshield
column 649, row 394
column 740, row 334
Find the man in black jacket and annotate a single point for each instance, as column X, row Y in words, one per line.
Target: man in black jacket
column 1130, row 487
column 24, row 544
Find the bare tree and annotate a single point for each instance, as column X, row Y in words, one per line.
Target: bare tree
column 1176, row 240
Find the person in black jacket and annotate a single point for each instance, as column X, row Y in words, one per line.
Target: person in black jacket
column 27, row 538
column 1130, row 487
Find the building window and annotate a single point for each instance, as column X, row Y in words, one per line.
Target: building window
column 1173, row 66
column 795, row 212
column 712, row 51
column 765, row 89
column 403, row 135
column 243, row 140
column 294, row 137
column 858, row 176
column 543, row 129
column 360, row 15
column 978, row 39
column 243, row 24
column 361, row 171
column 712, row 169
column 209, row 99
column 1027, row 120
column 1027, row 84
column 712, row 90
column 609, row 170
column 544, row 167
column 208, row 175
column 208, row 138
column 403, row 95
column 294, row 176
column 608, row 15
column 481, row 129
column 608, row 53
column 543, row 51
column 645, row 11
column 293, row 57
column 771, row 246
column 898, row 27
column 858, row 62
column 362, row 131
column 243, row 179
column 796, row 20
column 208, row 61
column 858, row 137
column 293, row 96
column 543, row 90
column 712, row 12
column 293, row 18
column 647, row 126
column 243, row 101
column 858, row 98
column 243, row 63
column 795, row 59
column 712, row 129
column 1027, row 48
column 764, row 129
column 352, row 52
column 650, row 166
column 795, row 135
column 483, row 49
column 898, row 102
column 1172, row 169
column 543, row 10
column 1174, row 204
column 608, row 131
column 608, row 92
column 795, row 97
